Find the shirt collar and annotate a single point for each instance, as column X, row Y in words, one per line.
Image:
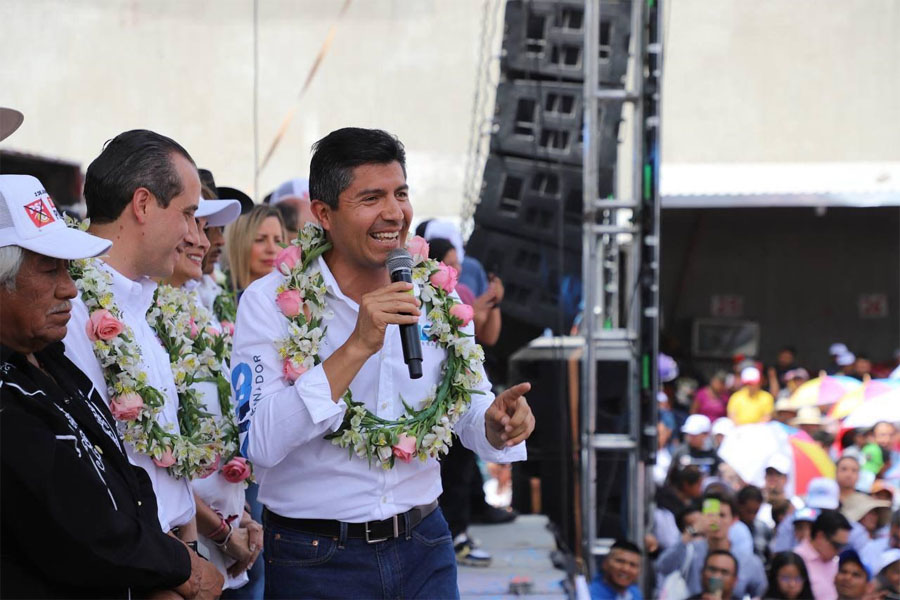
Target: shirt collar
column 136, row 296
column 331, row 284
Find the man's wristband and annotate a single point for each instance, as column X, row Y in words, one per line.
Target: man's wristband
column 221, row 530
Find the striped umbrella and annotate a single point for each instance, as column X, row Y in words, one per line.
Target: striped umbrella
column 855, row 397
column 824, row 391
column 810, row 461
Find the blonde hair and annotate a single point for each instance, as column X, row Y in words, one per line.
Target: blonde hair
column 239, row 238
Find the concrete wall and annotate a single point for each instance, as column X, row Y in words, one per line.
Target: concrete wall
column 800, row 275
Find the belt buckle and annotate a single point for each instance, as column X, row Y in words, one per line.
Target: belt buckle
column 384, row 539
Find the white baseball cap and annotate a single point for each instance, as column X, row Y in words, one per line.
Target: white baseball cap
column 837, row 348
column 780, row 463
column 823, row 493
column 750, row 375
column 29, row 219
column 218, row 213
column 723, row 426
column 696, row 425
column 299, row 186
column 845, row 359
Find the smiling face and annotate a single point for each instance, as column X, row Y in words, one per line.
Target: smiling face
column 372, row 218
column 167, row 229
column 851, row 580
column 266, row 246
column 189, row 265
column 35, row 314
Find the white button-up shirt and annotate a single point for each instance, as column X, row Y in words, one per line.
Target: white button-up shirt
column 174, row 497
column 302, row 475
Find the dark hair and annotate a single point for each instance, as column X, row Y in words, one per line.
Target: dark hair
column 693, row 507
column 689, row 475
column 829, row 522
column 289, row 215
column 723, row 499
column 848, row 437
column 338, row 153
column 421, row 227
column 823, row 438
column 625, row 545
column 748, row 494
column 721, row 553
column 789, row 348
column 783, row 559
column 135, row 159
column 847, row 457
column 852, row 556
column 439, row 247
column 779, row 509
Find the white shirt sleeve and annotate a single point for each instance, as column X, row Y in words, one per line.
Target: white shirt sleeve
column 79, row 349
column 275, row 417
column 471, row 426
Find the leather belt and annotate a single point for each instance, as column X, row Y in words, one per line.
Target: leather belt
column 371, row 531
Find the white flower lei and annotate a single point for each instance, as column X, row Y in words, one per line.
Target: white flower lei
column 195, row 357
column 363, row 433
column 120, row 359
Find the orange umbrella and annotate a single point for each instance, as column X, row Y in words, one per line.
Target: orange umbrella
column 810, row 461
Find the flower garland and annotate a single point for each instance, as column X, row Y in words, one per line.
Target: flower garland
column 197, row 351
column 421, row 433
column 225, row 306
column 133, row 401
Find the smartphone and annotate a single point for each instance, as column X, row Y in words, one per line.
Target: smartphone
column 715, row 585
column 711, row 506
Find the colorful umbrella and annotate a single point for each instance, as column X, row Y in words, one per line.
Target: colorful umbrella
column 885, row 407
column 823, row 391
column 810, row 461
column 855, row 397
column 748, row 448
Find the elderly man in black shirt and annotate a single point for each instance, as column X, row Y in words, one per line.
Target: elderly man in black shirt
column 78, row 520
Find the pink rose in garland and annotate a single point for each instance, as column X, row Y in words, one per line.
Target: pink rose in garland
column 444, row 278
column 405, row 448
column 166, row 460
column 227, row 327
column 289, row 302
column 418, row 247
column 126, row 407
column 103, row 326
column 194, row 329
column 236, row 470
column 292, row 370
column 287, row 259
column 463, row 312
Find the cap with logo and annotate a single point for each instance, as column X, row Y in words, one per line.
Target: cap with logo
column 29, row 219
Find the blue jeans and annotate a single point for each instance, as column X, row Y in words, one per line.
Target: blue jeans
column 304, row 565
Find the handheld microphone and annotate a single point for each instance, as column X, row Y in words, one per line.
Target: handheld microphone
column 399, row 265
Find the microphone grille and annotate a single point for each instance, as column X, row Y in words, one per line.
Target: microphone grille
column 399, row 258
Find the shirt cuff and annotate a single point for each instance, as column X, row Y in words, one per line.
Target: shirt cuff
column 508, row 454
column 314, row 392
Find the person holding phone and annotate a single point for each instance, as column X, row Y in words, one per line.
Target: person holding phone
column 717, row 516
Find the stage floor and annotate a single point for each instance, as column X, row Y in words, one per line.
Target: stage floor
column 519, row 549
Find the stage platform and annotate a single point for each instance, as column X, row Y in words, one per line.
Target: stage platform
column 519, row 549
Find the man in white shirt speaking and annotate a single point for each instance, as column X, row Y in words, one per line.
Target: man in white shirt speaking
column 339, row 526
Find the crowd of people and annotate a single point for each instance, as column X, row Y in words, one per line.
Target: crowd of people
column 184, row 375
column 715, row 535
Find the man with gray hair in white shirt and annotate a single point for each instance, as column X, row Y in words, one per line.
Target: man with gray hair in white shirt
column 319, row 372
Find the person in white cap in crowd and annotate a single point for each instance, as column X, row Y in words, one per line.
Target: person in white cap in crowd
column 845, row 362
column 78, row 519
column 230, row 537
column 835, row 350
column 750, row 404
column 887, row 574
column 142, row 194
column 291, row 198
column 721, row 428
column 778, row 467
column 697, row 448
